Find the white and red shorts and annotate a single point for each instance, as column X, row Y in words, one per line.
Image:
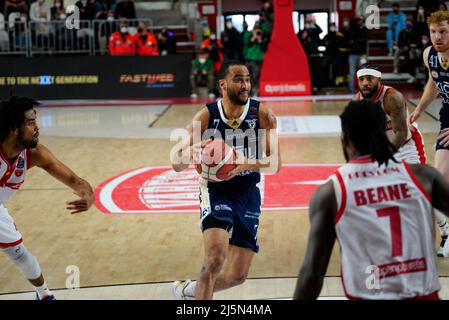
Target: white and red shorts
column 9, row 234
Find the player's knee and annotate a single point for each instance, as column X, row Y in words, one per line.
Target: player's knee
column 24, row 260
column 238, row 278
column 214, row 263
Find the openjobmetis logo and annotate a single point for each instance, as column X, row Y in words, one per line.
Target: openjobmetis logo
column 162, row 190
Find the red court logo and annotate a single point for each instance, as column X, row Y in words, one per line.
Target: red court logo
column 162, row 190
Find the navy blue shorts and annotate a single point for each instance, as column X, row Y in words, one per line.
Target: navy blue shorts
column 238, row 213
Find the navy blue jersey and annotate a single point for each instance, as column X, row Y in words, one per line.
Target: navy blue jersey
column 441, row 78
column 243, row 134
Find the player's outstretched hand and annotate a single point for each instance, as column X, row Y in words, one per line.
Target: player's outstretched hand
column 413, row 117
column 83, row 204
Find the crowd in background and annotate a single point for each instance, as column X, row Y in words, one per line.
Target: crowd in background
column 116, row 32
column 249, row 46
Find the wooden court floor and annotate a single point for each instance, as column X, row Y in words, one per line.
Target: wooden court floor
column 151, row 248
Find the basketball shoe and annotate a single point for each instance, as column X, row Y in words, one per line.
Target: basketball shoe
column 50, row 297
column 178, row 288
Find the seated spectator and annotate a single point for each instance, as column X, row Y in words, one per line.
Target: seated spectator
column 146, row 43
column 125, row 9
column 396, row 23
column 121, row 42
column 232, row 42
column 166, row 42
column 408, row 44
column 442, row 6
column 214, row 47
column 202, row 74
column 15, row 6
column 40, row 13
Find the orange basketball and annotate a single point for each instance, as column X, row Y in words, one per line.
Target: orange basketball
column 217, row 159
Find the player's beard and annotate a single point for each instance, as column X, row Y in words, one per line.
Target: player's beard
column 27, row 144
column 237, row 98
column 443, row 48
column 371, row 93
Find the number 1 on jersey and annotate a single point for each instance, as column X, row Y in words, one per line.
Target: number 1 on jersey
column 395, row 228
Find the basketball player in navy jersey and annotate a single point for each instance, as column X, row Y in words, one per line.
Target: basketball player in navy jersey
column 19, row 151
column 407, row 139
column 380, row 211
column 436, row 59
column 230, row 209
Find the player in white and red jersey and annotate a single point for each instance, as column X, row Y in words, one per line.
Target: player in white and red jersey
column 380, row 211
column 19, row 151
column 406, row 138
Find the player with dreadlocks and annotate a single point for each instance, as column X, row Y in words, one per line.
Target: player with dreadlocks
column 380, row 210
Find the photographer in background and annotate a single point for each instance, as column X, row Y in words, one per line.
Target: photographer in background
column 255, row 44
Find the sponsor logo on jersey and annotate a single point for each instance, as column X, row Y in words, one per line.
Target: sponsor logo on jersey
column 162, row 190
column 434, row 74
column 20, row 163
column 18, row 172
column 251, row 123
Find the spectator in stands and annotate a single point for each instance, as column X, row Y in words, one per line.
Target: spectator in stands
column 15, row 6
column 255, row 44
column 146, row 43
column 419, row 21
column 86, row 9
column 41, row 14
column 313, row 30
column 62, row 34
column 232, row 42
column 58, row 10
column 121, row 42
column 396, row 23
column 332, row 42
column 101, row 9
column 408, row 44
column 166, row 42
column 19, row 34
column 266, row 18
column 358, row 39
column 214, row 47
column 125, row 9
column 429, row 5
column 310, row 45
column 202, row 74
column 107, row 28
column 442, row 6
column 87, row 12
column 268, row 11
column 343, row 53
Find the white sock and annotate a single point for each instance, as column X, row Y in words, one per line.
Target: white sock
column 43, row 291
column 190, row 289
column 442, row 222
